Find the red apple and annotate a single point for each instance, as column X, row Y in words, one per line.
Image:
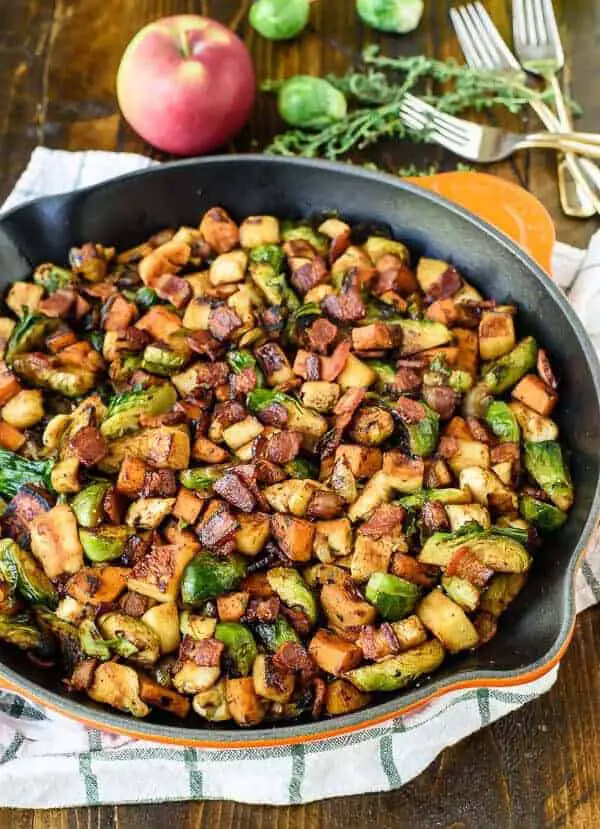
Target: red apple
column 186, row 84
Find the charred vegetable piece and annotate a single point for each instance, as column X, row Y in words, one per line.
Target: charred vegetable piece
column 104, row 543
column 87, row 504
column 449, row 495
column 209, row 575
column 242, row 359
column 293, row 590
column 20, row 569
column 546, row 464
column 92, row 642
column 22, row 632
column 393, row 597
column 240, row 647
column 502, row 421
column 423, row 436
column 508, row 370
column 16, row 471
column 125, row 410
column 135, row 633
column 201, row 477
column 29, row 334
column 492, row 549
column 299, row 417
column 546, row 517
column 274, row 634
column 66, row 634
column 396, row 672
column 52, row 277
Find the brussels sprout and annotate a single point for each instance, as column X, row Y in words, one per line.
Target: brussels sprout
column 448, row 495
column 240, row 647
column 397, row 16
column 300, row 417
column 274, row 634
column 87, row 504
column 16, row 471
column 239, row 360
column 494, row 550
column 209, row 575
column 92, row 643
column 311, row 103
column 279, row 19
column 159, row 360
column 202, row 477
column 125, row 409
column 293, row 590
column 66, row 634
column 119, row 626
column 502, row 422
column 301, row 468
column 196, row 625
column 306, row 233
column 22, row 632
column 48, row 373
column 104, row 543
column 460, row 381
column 29, row 334
column 386, row 375
column 272, row 255
column 393, row 597
column 546, row 517
column 145, row 298
column 52, row 277
column 545, row 463
column 21, row 570
column 508, row 370
column 423, row 436
column 397, row 671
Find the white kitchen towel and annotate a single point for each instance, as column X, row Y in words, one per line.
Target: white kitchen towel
column 47, row 760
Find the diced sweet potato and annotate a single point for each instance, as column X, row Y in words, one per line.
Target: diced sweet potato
column 496, row 335
column 344, row 609
column 294, row 535
column 370, row 556
column 160, row 697
column 244, row 704
column 158, row 574
column 232, row 606
column 405, row 474
column 159, row 322
column 98, row 585
column 468, row 350
column 188, row 506
column 342, row 697
column 9, row 385
column 120, row 314
column 372, row 337
column 458, row 428
column 131, row 476
column 334, row 654
column 253, row 533
column 205, row 451
column 10, row 438
column 364, row 461
column 533, row 392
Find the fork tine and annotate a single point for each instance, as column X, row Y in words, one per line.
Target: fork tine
column 482, row 59
column 463, row 34
column 531, row 35
column 538, row 15
column 443, row 124
column 519, row 30
column 491, row 32
column 552, row 28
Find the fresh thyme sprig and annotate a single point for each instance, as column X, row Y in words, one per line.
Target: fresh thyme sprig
column 374, row 96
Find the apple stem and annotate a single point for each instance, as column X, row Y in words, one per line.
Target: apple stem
column 185, row 44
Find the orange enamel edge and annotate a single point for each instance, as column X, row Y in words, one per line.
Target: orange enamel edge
column 309, row 738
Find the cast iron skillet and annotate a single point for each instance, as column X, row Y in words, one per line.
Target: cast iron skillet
column 535, row 631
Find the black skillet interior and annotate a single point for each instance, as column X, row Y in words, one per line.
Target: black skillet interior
column 125, row 211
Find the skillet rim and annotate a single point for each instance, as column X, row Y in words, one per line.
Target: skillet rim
column 411, row 698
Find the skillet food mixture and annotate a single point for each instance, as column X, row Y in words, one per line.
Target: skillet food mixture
column 264, row 471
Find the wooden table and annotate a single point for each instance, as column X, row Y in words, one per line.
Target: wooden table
column 58, row 60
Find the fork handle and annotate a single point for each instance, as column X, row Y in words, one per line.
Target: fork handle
column 566, row 145
column 562, row 110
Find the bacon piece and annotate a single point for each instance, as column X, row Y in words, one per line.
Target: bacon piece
column 173, row 289
column 113, row 505
column 325, row 505
column 134, row 604
column 218, row 528
column 297, row 619
column 269, row 473
column 30, row 501
column 407, row 567
column 262, row 610
column 447, row 283
column 202, row 652
column 347, row 307
column 282, row 447
column 447, row 447
column 306, row 274
column 58, row 304
column 292, row 657
column 88, row 446
column 275, row 414
column 332, row 367
column 203, row 342
column 407, row 380
column 243, row 382
column 321, row 334
column 465, row 564
column 486, row 626
column 384, row 521
column 135, row 339
column 434, row 516
column 346, row 407
column 159, row 483
column 394, row 275
column 229, row 413
column 442, row 399
column 118, row 314
column 411, row 411
column 222, row 322
column 319, row 695
column 377, row 643
column 505, row 452
column 83, row 675
column 233, row 490
column 545, row 370
column 479, row 430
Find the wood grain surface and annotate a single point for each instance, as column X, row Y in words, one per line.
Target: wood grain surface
column 539, row 767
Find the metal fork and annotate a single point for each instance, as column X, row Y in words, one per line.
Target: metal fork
column 538, row 46
column 477, row 142
column 484, row 48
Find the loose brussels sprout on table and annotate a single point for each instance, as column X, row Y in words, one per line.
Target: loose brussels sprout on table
column 398, row 16
column 279, row 19
column 259, row 470
column 311, row 103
